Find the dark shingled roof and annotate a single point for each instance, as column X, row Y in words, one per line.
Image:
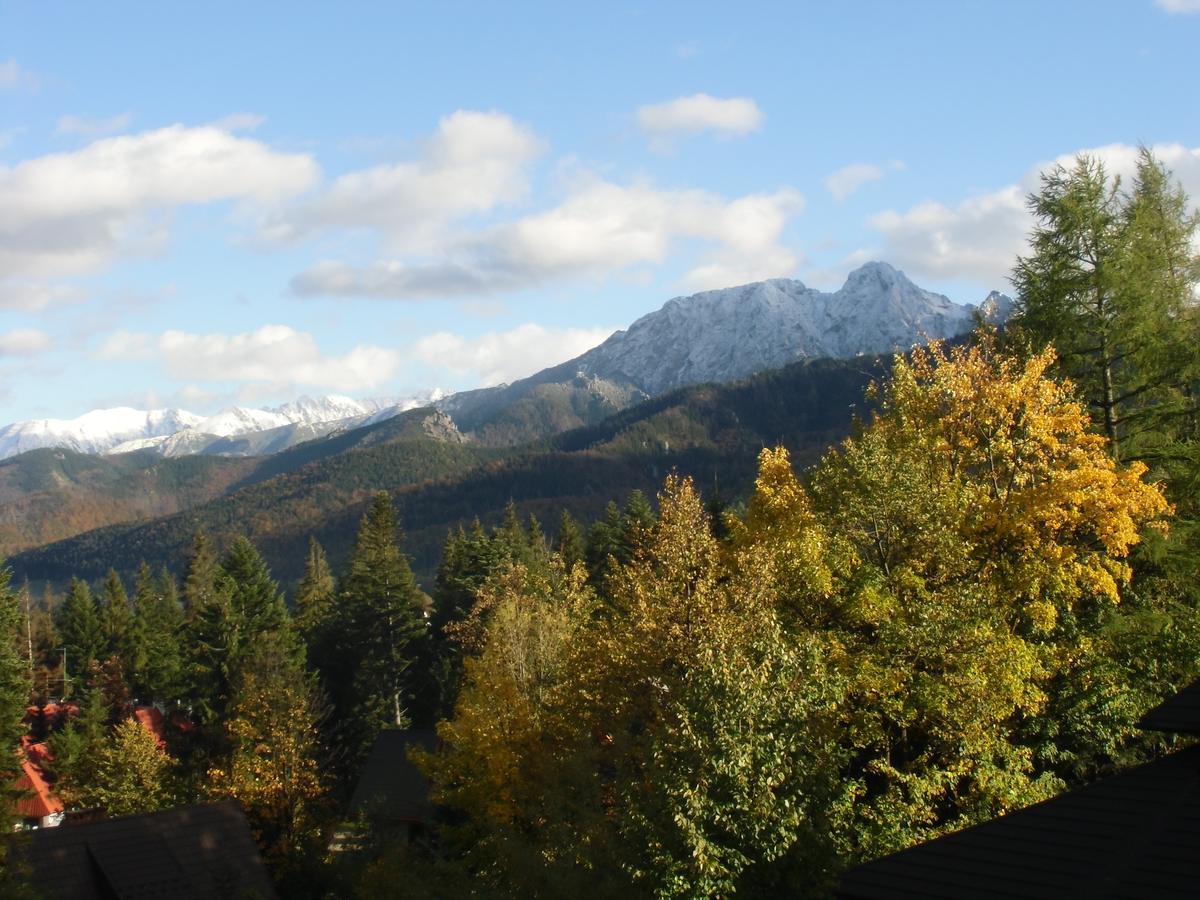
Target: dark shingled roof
column 1136, row 834
column 188, row 853
column 390, row 786
column 1179, row 714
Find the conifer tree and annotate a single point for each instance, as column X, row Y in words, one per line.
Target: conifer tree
column 123, row 636
column 200, row 582
column 14, row 679
column 382, row 630
column 81, row 630
column 160, row 619
column 570, row 544
column 1109, row 283
column 315, row 593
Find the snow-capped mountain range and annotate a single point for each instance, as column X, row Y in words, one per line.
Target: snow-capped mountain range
column 732, row 333
column 237, row 431
column 720, row 335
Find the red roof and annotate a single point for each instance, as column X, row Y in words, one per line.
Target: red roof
column 151, row 718
column 40, row 801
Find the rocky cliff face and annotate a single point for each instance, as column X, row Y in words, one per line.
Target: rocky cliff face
column 732, row 333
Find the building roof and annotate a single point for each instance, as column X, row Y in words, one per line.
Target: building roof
column 151, row 718
column 390, row 786
column 1135, row 834
column 187, row 853
column 37, row 798
column 1179, row 714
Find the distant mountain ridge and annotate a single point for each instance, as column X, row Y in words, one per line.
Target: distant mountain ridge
column 720, row 336
column 714, row 336
column 237, row 431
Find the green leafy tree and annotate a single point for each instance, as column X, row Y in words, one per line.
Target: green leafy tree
column 273, row 766
column 129, row 773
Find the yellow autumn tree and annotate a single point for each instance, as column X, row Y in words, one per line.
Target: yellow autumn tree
column 984, row 515
column 272, row 766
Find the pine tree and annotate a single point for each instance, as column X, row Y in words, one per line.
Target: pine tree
column 160, row 619
column 382, row 629
column 15, row 686
column 81, row 630
column 314, row 594
column 203, row 570
column 123, row 636
column 570, row 540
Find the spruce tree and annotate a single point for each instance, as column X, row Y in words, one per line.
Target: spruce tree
column 82, row 632
column 15, row 687
column 570, row 540
column 314, row 594
column 383, row 629
column 160, row 619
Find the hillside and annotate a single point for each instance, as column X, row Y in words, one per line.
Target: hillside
column 712, row 432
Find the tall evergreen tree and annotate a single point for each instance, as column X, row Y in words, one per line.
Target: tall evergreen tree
column 200, row 582
column 382, row 629
column 1109, row 282
column 123, row 637
column 570, row 540
column 160, row 619
column 81, row 630
column 315, row 593
column 15, row 686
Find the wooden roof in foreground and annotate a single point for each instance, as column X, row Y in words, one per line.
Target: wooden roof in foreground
column 187, row 853
column 1136, row 834
column 1179, row 714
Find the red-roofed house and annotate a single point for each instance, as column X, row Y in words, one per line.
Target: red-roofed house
column 38, row 807
column 151, row 718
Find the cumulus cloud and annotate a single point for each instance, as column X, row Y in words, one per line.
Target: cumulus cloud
column 598, row 229
column 68, row 213
column 275, row 356
column 980, row 237
column 14, row 76
column 699, row 113
column 34, row 296
column 848, row 179
column 93, row 127
column 505, row 356
column 473, row 162
column 24, row 342
column 1178, row 7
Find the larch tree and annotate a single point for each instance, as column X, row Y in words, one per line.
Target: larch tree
column 1109, row 281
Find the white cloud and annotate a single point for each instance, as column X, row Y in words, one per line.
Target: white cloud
column 243, row 121
column 274, row 356
column 699, row 113
column 981, row 237
column 473, row 162
column 24, row 342
column 14, row 76
column 1179, row 7
column 505, row 356
column 848, row 179
column 34, row 296
column 68, row 213
column 600, row 228
column 93, row 127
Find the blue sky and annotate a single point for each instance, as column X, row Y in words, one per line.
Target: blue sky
column 274, row 199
